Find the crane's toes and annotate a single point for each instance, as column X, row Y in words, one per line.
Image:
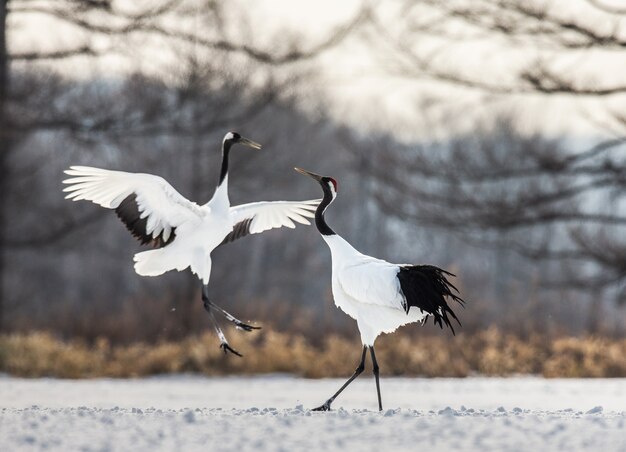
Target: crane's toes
column 325, row 407
column 227, row 348
column 246, row 327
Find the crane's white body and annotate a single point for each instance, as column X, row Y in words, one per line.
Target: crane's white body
column 199, row 229
column 379, row 295
column 368, row 290
column 196, row 239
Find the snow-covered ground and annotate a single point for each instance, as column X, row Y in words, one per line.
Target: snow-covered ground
column 272, row 413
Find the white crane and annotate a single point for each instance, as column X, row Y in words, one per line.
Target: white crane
column 379, row 295
column 183, row 233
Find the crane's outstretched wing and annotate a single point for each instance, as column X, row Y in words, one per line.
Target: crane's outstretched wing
column 257, row 217
column 148, row 205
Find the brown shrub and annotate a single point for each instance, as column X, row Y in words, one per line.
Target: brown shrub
column 490, row 352
column 590, row 357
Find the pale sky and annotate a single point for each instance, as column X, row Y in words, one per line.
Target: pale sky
column 354, row 78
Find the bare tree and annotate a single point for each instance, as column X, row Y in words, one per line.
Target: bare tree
column 548, row 200
column 39, row 100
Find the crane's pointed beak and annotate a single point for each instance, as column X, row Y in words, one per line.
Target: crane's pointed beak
column 317, row 177
column 249, row 143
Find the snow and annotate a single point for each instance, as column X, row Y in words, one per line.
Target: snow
column 273, row 413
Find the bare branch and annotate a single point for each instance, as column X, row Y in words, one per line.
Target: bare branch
column 144, row 23
column 607, row 8
column 544, row 81
column 512, row 19
column 270, row 57
column 53, row 55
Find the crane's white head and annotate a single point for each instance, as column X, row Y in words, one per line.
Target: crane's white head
column 328, row 183
column 233, row 137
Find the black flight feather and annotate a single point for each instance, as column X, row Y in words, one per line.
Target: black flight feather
column 426, row 288
column 240, row 230
column 128, row 212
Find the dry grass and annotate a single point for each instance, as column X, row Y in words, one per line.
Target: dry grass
column 487, row 353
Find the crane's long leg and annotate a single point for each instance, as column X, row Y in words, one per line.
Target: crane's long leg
column 231, row 318
column 376, row 372
column 238, row 323
column 357, row 372
column 220, row 334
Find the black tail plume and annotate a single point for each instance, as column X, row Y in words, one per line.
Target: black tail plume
column 426, row 288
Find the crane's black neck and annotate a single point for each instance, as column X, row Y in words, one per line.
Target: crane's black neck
column 320, row 222
column 225, row 151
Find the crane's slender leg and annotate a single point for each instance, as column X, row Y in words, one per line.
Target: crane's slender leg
column 357, row 372
column 376, row 372
column 238, row 323
column 220, row 334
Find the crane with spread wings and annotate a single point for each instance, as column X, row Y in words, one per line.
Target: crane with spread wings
column 183, row 233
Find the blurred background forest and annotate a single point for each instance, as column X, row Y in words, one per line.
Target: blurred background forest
column 487, row 137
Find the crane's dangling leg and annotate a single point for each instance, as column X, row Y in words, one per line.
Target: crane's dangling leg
column 220, row 334
column 376, row 372
column 238, row 323
column 357, row 372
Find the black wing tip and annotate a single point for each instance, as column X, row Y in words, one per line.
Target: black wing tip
column 128, row 212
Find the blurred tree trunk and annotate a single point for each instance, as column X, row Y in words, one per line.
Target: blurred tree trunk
column 595, row 314
column 4, row 146
column 197, row 179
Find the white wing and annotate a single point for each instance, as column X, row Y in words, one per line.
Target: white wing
column 257, row 217
column 149, row 206
column 372, row 281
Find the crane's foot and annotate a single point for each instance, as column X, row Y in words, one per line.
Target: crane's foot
column 227, row 348
column 244, row 326
column 325, row 407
